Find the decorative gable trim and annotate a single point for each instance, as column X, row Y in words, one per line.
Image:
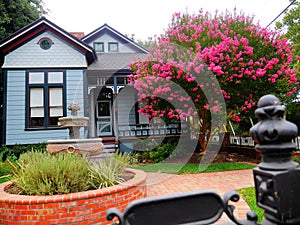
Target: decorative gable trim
column 89, row 38
column 32, row 30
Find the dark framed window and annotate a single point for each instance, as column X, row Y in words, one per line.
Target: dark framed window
column 99, row 46
column 45, row 98
column 113, row 46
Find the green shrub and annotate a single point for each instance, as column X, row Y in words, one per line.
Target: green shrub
column 151, row 150
column 38, row 173
column 14, row 152
column 141, row 145
column 162, row 152
column 109, row 171
column 5, row 169
column 296, row 158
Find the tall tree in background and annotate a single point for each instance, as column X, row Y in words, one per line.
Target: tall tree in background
column 248, row 61
column 289, row 26
column 15, row 14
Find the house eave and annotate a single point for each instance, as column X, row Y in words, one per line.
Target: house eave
column 89, row 37
column 38, row 26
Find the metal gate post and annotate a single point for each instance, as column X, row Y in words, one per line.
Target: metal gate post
column 277, row 177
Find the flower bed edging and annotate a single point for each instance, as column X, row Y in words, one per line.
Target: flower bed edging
column 87, row 207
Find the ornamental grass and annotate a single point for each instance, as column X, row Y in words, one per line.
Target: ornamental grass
column 37, row 173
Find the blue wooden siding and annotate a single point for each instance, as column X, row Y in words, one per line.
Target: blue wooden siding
column 75, row 92
column 15, row 105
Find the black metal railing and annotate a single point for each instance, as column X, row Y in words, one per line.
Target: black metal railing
column 277, row 183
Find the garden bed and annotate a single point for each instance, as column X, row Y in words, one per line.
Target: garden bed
column 87, row 207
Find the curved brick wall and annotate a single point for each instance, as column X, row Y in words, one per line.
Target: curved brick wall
column 77, row 208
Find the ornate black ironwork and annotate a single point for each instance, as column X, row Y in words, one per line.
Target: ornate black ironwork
column 277, row 176
column 276, row 179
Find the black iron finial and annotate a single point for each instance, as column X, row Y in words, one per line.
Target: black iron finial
column 273, row 134
column 277, row 176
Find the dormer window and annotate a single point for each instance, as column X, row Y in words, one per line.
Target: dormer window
column 99, row 46
column 113, row 46
column 45, row 43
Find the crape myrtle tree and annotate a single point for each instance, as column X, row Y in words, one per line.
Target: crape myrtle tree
column 246, row 60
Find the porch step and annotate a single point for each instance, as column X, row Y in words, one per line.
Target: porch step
column 110, row 144
column 110, row 147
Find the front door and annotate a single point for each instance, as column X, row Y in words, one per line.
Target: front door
column 104, row 118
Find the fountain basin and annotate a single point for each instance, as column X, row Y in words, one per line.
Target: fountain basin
column 67, row 122
column 87, row 147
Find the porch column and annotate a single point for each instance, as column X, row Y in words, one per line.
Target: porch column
column 92, row 113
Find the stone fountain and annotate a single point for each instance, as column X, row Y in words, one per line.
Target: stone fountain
column 88, row 147
column 73, row 123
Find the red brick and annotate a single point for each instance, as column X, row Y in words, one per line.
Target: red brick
column 76, row 219
column 91, row 216
column 59, row 221
column 25, row 207
column 92, row 205
column 43, row 211
column 51, row 205
column 67, row 215
column 85, row 223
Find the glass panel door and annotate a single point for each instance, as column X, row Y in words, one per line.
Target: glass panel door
column 104, row 118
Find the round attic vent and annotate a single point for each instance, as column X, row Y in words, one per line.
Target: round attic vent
column 45, row 43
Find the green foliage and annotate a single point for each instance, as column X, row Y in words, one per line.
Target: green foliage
column 290, row 25
column 162, row 152
column 13, row 152
column 5, row 172
column 15, row 14
column 38, row 173
column 293, row 113
column 296, row 159
column 248, row 194
column 109, row 171
column 153, row 151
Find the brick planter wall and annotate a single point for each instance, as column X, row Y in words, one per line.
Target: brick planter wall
column 87, row 207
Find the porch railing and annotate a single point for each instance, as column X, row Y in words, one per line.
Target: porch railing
column 140, row 130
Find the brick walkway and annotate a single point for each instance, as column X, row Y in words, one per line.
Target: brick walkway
column 221, row 182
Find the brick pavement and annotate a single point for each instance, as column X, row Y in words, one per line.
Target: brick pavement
column 220, row 182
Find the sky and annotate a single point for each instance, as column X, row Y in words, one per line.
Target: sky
column 148, row 18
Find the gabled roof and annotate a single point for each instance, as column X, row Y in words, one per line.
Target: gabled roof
column 39, row 26
column 89, row 38
column 115, row 61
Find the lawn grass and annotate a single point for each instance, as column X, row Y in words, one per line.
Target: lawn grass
column 174, row 168
column 248, row 194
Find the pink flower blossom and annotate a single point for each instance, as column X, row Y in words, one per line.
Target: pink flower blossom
column 215, row 108
column 206, row 106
